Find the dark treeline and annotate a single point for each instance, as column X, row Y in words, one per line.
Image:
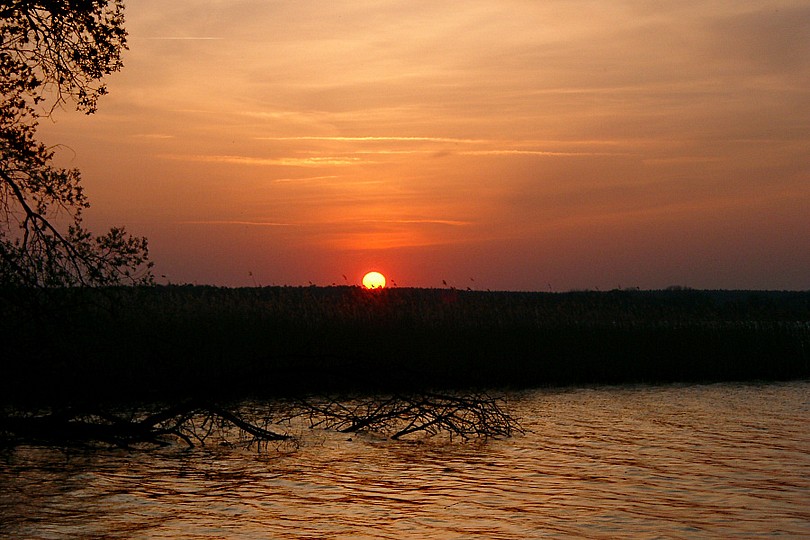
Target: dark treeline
column 177, row 341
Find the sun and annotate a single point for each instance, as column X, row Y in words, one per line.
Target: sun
column 374, row 280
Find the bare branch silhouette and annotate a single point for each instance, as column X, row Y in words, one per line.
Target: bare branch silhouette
column 197, row 422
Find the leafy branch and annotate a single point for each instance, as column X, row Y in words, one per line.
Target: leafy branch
column 62, row 49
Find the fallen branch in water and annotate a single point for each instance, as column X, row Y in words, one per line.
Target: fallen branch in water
column 198, row 422
column 193, row 422
column 462, row 415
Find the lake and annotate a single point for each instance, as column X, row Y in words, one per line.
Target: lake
column 721, row 460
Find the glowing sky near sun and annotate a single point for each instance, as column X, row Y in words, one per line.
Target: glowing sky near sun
column 503, row 145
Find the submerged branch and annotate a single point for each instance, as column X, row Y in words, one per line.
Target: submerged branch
column 197, row 422
column 462, row 415
column 192, row 422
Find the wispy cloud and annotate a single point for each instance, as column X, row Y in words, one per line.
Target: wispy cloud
column 320, row 161
column 159, row 136
column 340, row 223
column 183, row 38
column 498, row 147
column 682, row 160
column 237, row 222
column 449, row 222
column 393, row 152
column 305, row 179
column 378, row 139
column 515, row 152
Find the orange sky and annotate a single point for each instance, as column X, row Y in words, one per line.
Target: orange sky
column 493, row 145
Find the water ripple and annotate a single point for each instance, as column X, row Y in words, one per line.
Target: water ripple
column 672, row 461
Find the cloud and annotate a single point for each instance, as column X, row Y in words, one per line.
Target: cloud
column 377, row 139
column 317, row 161
column 449, row 222
column 183, row 38
column 305, row 179
column 516, row 152
column 237, row 222
column 158, row 136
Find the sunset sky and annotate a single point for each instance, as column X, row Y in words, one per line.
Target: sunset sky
column 510, row 144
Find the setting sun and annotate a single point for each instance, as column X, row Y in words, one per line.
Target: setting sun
column 374, row 280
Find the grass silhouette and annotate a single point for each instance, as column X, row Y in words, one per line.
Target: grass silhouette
column 153, row 342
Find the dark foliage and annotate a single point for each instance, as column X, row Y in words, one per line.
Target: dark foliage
column 62, row 50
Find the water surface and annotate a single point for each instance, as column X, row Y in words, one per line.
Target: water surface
column 726, row 460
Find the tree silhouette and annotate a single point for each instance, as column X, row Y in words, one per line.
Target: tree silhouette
column 61, row 50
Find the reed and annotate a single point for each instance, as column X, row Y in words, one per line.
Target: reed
column 148, row 342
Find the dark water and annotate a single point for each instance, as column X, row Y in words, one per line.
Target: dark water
column 675, row 461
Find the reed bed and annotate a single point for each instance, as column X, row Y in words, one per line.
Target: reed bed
column 149, row 342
